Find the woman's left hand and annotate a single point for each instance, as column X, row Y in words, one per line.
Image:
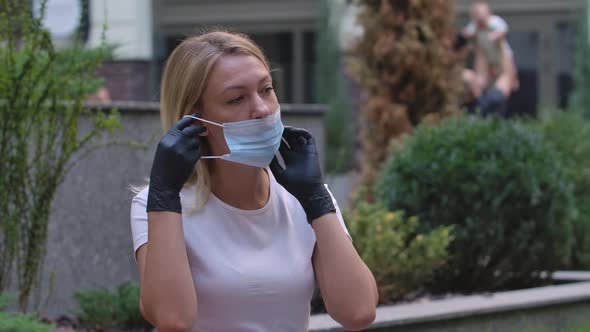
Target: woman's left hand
column 302, row 175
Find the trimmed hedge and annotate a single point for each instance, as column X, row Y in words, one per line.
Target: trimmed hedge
column 569, row 133
column 502, row 187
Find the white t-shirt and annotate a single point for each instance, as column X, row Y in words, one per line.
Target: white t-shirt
column 252, row 269
column 491, row 50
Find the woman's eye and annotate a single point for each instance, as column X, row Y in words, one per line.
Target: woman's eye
column 268, row 89
column 235, row 100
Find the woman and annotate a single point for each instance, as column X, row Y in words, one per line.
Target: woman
column 234, row 246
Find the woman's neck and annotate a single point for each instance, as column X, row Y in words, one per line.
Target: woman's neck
column 243, row 187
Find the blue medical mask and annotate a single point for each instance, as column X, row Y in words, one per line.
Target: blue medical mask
column 251, row 142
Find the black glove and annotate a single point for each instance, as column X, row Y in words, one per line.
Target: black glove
column 176, row 156
column 302, row 176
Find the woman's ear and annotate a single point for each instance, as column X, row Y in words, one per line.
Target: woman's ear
column 197, row 109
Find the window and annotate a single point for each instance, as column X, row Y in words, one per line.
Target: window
column 525, row 44
column 286, row 60
column 278, row 47
column 565, row 57
column 310, row 67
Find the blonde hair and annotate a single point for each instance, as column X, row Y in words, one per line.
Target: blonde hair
column 184, row 80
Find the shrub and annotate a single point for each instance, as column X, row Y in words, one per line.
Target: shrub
column 101, row 308
column 500, row 184
column 401, row 259
column 22, row 323
column 5, row 300
column 42, row 95
column 568, row 132
column 18, row 322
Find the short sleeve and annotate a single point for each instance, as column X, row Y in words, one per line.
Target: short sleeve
column 470, row 29
column 139, row 220
column 339, row 213
column 498, row 24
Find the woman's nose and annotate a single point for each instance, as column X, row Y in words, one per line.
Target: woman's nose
column 260, row 109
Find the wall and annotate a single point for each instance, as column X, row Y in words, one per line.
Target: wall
column 129, row 25
column 556, row 307
column 552, row 318
column 524, row 6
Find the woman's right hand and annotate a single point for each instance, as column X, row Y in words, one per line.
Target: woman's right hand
column 176, row 156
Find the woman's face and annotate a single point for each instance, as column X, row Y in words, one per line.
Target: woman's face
column 239, row 88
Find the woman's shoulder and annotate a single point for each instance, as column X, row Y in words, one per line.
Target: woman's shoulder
column 140, row 196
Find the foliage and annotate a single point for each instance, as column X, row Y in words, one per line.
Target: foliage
column 581, row 328
column 101, row 308
column 5, row 300
column 332, row 90
column 42, row 94
column 568, row 132
column 500, row 184
column 402, row 259
column 406, row 65
column 573, row 328
column 18, row 322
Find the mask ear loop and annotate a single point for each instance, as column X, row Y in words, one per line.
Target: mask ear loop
column 199, row 119
column 280, row 156
column 285, row 141
column 210, row 122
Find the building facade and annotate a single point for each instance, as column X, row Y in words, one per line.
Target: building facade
column 542, row 34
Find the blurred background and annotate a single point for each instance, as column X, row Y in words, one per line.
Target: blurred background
column 440, row 203
column 542, row 34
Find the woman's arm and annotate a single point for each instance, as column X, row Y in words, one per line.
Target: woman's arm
column 168, row 297
column 348, row 288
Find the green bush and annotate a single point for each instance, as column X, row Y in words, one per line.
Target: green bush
column 101, row 308
column 22, row 323
column 500, row 184
column 5, row 300
column 575, row 328
column 42, row 104
column 582, row 328
column 401, row 259
column 568, row 132
column 18, row 322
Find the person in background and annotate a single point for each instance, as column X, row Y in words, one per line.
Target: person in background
column 494, row 77
column 101, row 95
column 228, row 236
